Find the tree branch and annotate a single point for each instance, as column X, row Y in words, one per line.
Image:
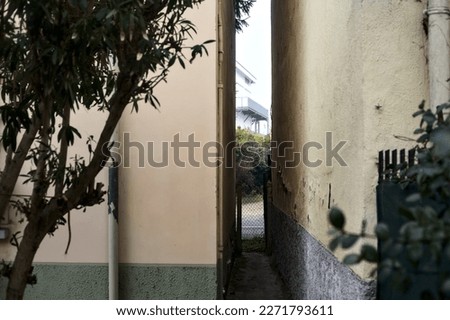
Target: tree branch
column 56, row 208
column 62, row 157
column 13, row 167
column 40, row 184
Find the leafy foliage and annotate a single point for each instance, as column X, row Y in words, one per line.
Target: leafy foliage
column 242, row 13
column 251, row 160
column 422, row 243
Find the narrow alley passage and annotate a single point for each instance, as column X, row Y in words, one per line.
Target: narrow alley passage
column 254, row 278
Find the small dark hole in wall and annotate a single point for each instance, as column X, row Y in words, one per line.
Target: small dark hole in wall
column 329, row 196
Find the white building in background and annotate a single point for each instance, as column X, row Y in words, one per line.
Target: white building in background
column 249, row 113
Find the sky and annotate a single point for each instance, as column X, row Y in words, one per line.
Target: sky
column 253, row 51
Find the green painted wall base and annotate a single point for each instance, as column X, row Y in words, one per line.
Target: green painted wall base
column 137, row 281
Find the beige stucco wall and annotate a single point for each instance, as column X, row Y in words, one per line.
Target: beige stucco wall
column 334, row 63
column 167, row 215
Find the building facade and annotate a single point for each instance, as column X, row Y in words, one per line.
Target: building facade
column 250, row 114
column 174, row 239
column 347, row 77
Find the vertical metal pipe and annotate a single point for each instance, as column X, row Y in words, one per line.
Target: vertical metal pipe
column 438, row 51
column 220, row 170
column 113, row 226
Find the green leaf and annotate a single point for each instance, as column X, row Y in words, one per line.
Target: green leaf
column 423, row 138
column 422, row 105
column 440, row 139
column 429, row 214
column 352, row 259
column 75, row 130
column 68, row 133
column 337, row 218
column 440, row 108
column 414, row 251
column 101, row 14
column 384, row 273
column 395, row 250
column 411, row 231
column 83, row 4
column 69, row 136
column 436, row 250
column 415, row 233
column 408, row 213
column 429, row 117
column 349, row 240
column 110, row 14
column 172, row 61
column 180, row 60
column 135, row 106
column 369, row 253
column 418, row 113
column 334, row 243
column 382, row 231
column 414, row 197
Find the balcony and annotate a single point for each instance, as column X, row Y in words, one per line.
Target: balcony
column 251, row 109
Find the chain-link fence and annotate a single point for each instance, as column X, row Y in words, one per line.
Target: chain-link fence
column 252, row 216
column 250, row 221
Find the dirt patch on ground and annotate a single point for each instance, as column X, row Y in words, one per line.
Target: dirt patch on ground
column 254, row 278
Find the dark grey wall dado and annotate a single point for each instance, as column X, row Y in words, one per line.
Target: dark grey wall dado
column 309, row 270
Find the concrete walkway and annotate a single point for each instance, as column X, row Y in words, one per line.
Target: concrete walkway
column 253, row 278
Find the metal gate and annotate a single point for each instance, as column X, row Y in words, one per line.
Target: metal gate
column 391, row 197
column 251, row 217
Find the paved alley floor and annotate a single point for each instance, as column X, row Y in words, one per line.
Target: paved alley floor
column 253, row 278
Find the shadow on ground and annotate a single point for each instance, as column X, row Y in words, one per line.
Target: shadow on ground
column 254, row 278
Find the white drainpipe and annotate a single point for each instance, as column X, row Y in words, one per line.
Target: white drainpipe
column 438, row 51
column 113, row 226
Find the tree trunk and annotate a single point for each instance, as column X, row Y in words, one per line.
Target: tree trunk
column 13, row 167
column 45, row 218
column 22, row 267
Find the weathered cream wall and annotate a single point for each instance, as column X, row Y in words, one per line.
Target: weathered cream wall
column 334, row 63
